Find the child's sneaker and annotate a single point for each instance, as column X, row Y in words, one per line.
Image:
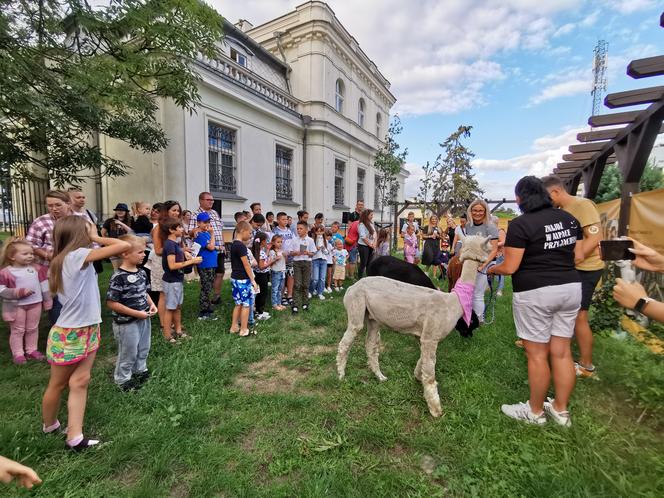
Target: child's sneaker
column 321, row 297
column 211, row 316
column 81, row 445
column 142, row 377
column 203, row 316
column 328, row 290
column 305, row 307
column 131, row 385
column 522, row 411
column 295, row 310
column 309, row 295
column 264, row 316
column 561, row 418
column 584, row 372
column 20, row 360
column 35, row 355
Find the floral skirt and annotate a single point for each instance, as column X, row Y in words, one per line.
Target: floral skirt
column 68, row 346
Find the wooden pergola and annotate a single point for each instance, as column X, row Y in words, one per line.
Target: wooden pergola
column 630, row 146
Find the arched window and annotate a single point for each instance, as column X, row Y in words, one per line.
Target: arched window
column 379, row 124
column 360, row 113
column 339, row 96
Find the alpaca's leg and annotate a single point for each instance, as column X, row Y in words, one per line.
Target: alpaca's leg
column 418, row 369
column 372, row 345
column 428, row 358
column 355, row 324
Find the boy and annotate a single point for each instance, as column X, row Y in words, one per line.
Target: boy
column 173, row 261
column 286, row 235
column 242, row 279
column 335, row 233
column 301, row 248
column 204, row 236
column 131, row 308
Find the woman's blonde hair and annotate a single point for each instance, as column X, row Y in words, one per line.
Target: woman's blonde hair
column 430, row 227
column 487, row 214
column 9, row 250
column 69, row 233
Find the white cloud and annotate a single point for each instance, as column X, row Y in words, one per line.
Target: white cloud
column 439, row 59
column 564, row 89
column 630, row 6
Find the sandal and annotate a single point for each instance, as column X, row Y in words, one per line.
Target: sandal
column 171, row 340
column 245, row 333
column 181, row 335
column 231, row 331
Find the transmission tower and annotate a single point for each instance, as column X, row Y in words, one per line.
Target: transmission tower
column 599, row 75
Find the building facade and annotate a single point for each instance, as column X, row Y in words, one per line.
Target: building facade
column 291, row 115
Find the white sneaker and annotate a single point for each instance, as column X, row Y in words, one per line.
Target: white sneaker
column 521, row 411
column 499, row 294
column 264, row 316
column 561, row 418
column 321, row 297
column 309, row 295
column 328, row 290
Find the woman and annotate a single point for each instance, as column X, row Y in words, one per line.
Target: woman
column 117, row 226
column 500, row 256
column 366, row 243
column 431, row 250
column 480, row 224
column 540, row 250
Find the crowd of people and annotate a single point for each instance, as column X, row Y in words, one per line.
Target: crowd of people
column 279, row 263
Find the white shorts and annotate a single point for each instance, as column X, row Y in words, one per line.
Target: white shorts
column 547, row 311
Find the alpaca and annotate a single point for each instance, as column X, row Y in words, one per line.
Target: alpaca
column 380, row 301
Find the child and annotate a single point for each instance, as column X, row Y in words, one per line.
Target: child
column 243, row 283
column 24, row 290
column 173, row 262
column 330, row 261
column 319, row 262
column 262, row 273
column 207, row 270
column 383, row 242
column 277, row 261
column 140, row 222
column 410, row 244
column 340, row 256
column 286, row 235
column 301, row 248
column 74, row 339
column 131, row 308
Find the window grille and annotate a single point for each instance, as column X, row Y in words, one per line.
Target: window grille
column 360, row 184
column 284, row 181
column 222, row 159
column 360, row 113
column 339, row 175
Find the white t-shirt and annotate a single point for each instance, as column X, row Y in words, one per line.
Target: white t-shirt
column 415, row 225
column 81, row 306
column 27, row 278
column 296, row 243
column 280, row 265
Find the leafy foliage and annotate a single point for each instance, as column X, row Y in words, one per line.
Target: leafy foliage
column 388, row 162
column 70, row 71
column 609, row 186
column 606, row 311
column 426, row 186
column 454, row 182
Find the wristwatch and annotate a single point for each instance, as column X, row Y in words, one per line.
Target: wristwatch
column 641, row 303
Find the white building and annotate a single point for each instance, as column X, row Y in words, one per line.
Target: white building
column 291, row 116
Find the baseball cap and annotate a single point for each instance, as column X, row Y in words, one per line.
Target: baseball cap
column 203, row 217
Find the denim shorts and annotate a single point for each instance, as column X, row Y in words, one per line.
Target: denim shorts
column 174, row 294
column 352, row 255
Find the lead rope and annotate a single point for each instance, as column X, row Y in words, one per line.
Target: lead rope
column 490, row 308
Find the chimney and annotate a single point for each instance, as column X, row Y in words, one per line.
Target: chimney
column 243, row 25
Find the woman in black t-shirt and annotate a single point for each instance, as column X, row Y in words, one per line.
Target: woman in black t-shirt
column 540, row 250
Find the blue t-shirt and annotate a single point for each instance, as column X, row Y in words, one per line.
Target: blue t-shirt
column 172, row 247
column 209, row 257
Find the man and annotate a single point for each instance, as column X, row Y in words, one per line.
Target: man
column 77, row 198
column 40, row 235
column 590, row 268
column 301, row 216
column 205, row 202
column 355, row 215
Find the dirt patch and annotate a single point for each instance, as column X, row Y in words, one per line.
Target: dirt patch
column 271, row 375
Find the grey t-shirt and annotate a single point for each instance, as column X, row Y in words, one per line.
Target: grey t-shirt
column 485, row 230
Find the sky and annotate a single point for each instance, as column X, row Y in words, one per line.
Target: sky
column 518, row 71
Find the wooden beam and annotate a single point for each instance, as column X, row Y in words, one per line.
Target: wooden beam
column 589, row 147
column 570, row 165
column 643, row 68
column 634, row 97
column 592, row 136
column 579, row 156
column 613, row 119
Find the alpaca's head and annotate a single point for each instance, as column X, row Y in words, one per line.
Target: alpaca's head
column 475, row 248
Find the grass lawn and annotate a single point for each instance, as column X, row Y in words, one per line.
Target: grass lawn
column 266, row 416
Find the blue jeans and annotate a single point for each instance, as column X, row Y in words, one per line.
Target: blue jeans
column 318, row 274
column 278, row 281
column 501, row 278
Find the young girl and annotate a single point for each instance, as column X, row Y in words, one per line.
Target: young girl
column 262, row 273
column 277, row 261
column 74, row 339
column 383, row 242
column 24, row 290
column 319, row 262
column 140, row 223
column 340, row 256
column 410, row 245
column 330, row 261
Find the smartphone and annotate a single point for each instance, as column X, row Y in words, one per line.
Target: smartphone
column 303, row 248
column 616, row 250
column 195, row 249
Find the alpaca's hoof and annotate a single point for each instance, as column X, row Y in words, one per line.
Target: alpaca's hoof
column 381, row 377
column 342, row 376
column 436, row 411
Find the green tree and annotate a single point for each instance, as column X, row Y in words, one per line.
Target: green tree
column 388, row 162
column 609, row 185
column 426, row 187
column 454, row 180
column 69, row 72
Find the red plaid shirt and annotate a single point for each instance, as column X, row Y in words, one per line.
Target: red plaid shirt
column 215, row 222
column 40, row 234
